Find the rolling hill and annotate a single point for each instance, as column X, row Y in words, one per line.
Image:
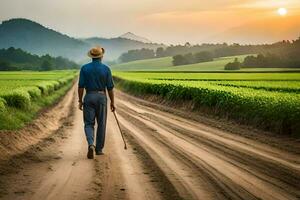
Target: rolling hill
column 38, row 39
column 165, row 64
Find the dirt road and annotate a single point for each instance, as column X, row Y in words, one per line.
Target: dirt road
column 170, row 156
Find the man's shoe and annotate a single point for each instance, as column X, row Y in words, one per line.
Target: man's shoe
column 90, row 154
column 99, row 152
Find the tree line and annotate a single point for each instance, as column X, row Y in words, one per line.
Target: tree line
column 285, row 57
column 13, row 59
column 138, row 54
column 218, row 50
column 203, row 56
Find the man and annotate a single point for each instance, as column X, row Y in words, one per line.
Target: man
column 95, row 78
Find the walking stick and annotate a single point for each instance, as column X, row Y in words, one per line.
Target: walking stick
column 125, row 147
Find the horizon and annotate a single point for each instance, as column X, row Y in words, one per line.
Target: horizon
column 177, row 23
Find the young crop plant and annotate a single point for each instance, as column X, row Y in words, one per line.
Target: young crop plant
column 273, row 105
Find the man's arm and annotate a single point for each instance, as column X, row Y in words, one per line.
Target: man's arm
column 110, row 89
column 112, row 100
column 80, row 95
column 81, row 84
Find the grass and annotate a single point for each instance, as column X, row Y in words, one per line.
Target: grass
column 216, row 65
column 144, row 65
column 165, row 64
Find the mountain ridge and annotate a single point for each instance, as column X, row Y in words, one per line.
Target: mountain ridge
column 35, row 38
column 132, row 36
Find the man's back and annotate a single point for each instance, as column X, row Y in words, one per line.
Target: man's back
column 95, row 76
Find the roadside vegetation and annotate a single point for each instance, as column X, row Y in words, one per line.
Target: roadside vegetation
column 23, row 94
column 268, row 101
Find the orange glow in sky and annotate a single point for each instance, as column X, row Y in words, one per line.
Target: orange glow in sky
column 168, row 21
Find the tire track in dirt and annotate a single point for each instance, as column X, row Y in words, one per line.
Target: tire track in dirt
column 169, row 157
column 197, row 181
column 118, row 174
column 242, row 157
column 237, row 171
column 183, row 111
column 175, row 169
column 215, row 134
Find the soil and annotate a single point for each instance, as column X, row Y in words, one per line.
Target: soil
column 172, row 154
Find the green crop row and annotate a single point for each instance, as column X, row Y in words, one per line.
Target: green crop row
column 277, row 86
column 276, row 111
column 2, row 104
column 20, row 92
column 33, row 75
column 211, row 76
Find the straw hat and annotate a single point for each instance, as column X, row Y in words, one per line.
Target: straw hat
column 96, row 52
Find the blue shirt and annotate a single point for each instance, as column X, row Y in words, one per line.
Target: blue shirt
column 95, row 76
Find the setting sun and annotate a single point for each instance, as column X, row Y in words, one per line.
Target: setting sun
column 282, row 11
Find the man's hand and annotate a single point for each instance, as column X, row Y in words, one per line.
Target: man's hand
column 112, row 107
column 112, row 100
column 80, row 94
column 80, row 105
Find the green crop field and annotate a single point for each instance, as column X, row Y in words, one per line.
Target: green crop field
column 145, row 65
column 165, row 64
column 267, row 100
column 21, row 92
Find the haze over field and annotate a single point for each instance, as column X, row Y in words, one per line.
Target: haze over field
column 170, row 21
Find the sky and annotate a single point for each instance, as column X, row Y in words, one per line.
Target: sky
column 163, row 21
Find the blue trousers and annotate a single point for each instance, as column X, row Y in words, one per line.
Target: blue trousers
column 95, row 108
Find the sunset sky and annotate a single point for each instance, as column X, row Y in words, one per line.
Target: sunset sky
column 167, row 21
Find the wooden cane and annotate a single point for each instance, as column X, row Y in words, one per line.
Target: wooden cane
column 125, row 146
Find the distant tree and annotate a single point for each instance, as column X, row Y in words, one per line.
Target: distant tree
column 138, row 54
column 160, row 52
column 46, row 66
column 203, row 56
column 190, row 58
column 235, row 65
column 6, row 66
column 271, row 60
column 225, row 44
column 179, row 60
column 187, row 44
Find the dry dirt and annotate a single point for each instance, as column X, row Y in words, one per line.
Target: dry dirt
column 172, row 154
